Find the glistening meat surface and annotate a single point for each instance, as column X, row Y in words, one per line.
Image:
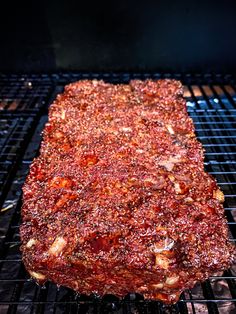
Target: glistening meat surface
column 118, row 200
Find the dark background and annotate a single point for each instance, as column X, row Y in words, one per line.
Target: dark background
column 164, row 36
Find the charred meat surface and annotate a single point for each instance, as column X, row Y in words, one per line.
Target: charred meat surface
column 118, row 200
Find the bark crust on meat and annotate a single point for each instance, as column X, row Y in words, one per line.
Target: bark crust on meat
column 118, row 200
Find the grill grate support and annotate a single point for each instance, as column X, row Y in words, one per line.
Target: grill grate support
column 24, row 100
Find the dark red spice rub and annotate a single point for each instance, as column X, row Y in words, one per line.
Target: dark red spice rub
column 118, row 200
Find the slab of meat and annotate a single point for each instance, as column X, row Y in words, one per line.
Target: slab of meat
column 118, row 200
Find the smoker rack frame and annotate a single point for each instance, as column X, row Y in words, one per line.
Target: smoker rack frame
column 24, row 100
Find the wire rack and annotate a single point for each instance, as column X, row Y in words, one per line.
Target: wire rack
column 24, row 100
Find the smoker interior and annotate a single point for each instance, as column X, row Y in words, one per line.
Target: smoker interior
column 24, row 101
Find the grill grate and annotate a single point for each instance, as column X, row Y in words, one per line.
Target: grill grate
column 23, row 112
